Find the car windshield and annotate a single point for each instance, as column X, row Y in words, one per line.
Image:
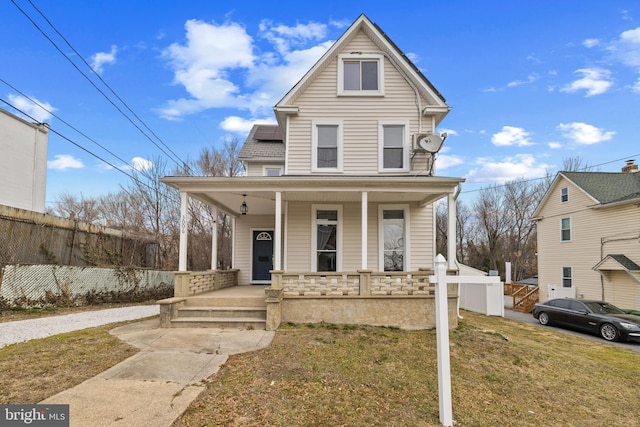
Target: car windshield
column 603, row 307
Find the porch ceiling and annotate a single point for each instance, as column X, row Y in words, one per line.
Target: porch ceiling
column 227, row 193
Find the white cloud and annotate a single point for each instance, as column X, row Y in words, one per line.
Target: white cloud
column 217, row 66
column 589, row 43
column 242, row 126
column 583, row 133
column 626, row 49
column 444, row 161
column 507, row 169
column 100, row 59
column 554, row 145
column 636, row 87
column 510, row 136
column 139, row 164
column 530, row 79
column 63, row 162
column 38, row 110
column 594, row 80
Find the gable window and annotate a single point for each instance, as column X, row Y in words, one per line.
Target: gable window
column 394, row 241
column 564, row 195
column 326, row 155
column 393, row 143
column 360, row 74
column 567, row 277
column 326, row 238
column 565, row 229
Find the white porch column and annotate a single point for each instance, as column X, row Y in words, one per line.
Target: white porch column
column 214, row 239
column 451, row 232
column 365, row 205
column 184, row 221
column 277, row 242
column 233, row 242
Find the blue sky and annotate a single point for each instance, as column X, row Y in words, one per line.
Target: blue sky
column 530, row 83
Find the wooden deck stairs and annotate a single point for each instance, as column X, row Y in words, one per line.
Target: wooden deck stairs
column 238, row 307
column 524, row 298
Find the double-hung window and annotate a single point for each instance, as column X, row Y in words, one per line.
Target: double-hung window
column 565, row 229
column 326, row 155
column 360, row 74
column 326, row 238
column 567, row 277
column 564, row 195
column 393, row 146
column 394, row 242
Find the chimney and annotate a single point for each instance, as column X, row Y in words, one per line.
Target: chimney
column 630, row 167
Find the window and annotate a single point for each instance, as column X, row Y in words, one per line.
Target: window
column 360, row 74
column 326, row 155
column 567, row 277
column 393, row 153
column 565, row 229
column 326, row 238
column 272, row 170
column 394, row 238
column 564, row 195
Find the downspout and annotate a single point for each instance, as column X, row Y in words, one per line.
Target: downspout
column 455, row 258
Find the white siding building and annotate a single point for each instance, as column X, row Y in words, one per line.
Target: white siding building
column 23, row 163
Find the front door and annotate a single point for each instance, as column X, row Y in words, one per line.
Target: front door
column 262, row 256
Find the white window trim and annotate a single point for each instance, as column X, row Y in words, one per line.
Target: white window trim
column 406, row 148
column 314, row 145
column 360, row 56
column 561, row 195
column 562, row 276
column 314, row 236
column 407, row 234
column 266, row 167
column 570, row 229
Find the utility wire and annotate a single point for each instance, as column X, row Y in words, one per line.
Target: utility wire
column 179, row 161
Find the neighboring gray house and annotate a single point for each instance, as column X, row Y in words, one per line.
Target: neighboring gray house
column 589, row 236
column 336, row 211
column 23, row 163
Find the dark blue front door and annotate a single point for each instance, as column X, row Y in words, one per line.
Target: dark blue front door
column 262, row 256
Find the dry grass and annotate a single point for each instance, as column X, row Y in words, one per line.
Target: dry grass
column 37, row 369
column 363, row 376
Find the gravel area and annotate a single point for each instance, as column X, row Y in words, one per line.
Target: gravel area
column 25, row 330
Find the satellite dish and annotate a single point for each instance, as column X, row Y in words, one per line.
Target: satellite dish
column 430, row 142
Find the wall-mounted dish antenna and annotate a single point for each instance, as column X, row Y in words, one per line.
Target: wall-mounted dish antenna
column 428, row 143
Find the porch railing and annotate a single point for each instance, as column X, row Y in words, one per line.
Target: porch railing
column 189, row 283
column 524, row 299
column 355, row 283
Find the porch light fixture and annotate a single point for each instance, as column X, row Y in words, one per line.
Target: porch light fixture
column 243, row 207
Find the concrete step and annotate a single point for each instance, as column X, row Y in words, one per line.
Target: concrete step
column 223, row 312
column 231, row 301
column 219, row 322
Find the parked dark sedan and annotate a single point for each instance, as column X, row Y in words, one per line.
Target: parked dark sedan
column 596, row 317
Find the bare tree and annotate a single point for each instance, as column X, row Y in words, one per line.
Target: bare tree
column 77, row 208
column 494, row 219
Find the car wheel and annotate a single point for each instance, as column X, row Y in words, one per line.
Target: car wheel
column 609, row 332
column 543, row 318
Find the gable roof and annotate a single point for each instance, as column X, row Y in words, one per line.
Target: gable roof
column 264, row 143
column 622, row 260
column 436, row 103
column 604, row 188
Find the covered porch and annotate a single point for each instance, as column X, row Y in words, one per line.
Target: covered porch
column 357, row 289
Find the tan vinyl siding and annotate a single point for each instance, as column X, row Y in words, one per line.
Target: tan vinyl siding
column 421, row 237
column 624, row 291
column 257, row 168
column 243, row 242
column 594, row 233
column 360, row 117
column 299, row 237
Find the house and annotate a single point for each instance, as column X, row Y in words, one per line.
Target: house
column 23, row 164
column 336, row 212
column 589, row 237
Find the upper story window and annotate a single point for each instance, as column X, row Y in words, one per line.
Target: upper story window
column 360, row 74
column 326, row 154
column 393, row 146
column 564, row 194
column 565, row 229
column 272, row 170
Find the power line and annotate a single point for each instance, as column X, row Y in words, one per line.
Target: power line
column 179, row 161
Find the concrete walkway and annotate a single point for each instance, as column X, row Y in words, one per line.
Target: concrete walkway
column 156, row 385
